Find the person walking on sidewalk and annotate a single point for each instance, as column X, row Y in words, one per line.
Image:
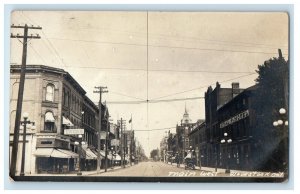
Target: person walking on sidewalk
column 177, row 159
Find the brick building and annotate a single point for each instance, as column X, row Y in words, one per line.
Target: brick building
column 55, row 102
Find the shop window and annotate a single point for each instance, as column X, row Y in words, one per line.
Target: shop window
column 49, row 122
column 50, row 93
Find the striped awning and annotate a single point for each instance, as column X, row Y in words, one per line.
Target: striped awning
column 90, row 155
column 117, row 157
column 49, row 117
column 67, row 122
column 54, row 153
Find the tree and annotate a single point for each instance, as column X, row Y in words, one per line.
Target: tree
column 270, row 96
column 154, row 154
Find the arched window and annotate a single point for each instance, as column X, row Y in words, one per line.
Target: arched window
column 50, row 93
column 49, row 122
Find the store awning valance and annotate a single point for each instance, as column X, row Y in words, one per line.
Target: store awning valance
column 54, row 153
column 90, row 155
column 189, row 155
column 49, row 117
column 117, row 157
column 67, row 122
column 102, row 153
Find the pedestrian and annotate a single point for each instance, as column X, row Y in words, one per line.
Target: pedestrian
column 177, row 159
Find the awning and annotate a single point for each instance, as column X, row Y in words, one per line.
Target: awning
column 109, row 156
column 117, row 157
column 102, row 153
column 90, row 155
column 49, row 117
column 189, row 155
column 67, row 122
column 54, row 153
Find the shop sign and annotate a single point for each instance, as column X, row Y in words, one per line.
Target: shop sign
column 234, row 119
column 102, row 135
column 114, row 142
column 74, row 131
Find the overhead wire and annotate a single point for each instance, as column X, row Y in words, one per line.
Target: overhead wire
column 36, row 52
column 125, row 95
column 46, row 40
column 159, row 129
column 185, row 38
column 163, row 46
column 201, row 87
column 159, row 70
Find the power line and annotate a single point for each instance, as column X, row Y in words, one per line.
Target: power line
column 38, row 54
column 176, row 99
column 201, row 87
column 158, row 70
column 164, row 46
column 120, row 94
column 45, row 40
column 155, row 129
column 154, row 101
column 185, row 38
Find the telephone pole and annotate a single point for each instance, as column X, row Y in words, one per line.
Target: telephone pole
column 25, row 38
column 100, row 90
column 122, row 125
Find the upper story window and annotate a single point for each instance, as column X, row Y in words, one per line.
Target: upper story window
column 50, row 93
column 49, row 122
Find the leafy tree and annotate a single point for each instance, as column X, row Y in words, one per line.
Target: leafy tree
column 270, row 96
column 154, row 153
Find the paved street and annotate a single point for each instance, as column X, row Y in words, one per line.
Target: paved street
column 154, row 169
column 161, row 169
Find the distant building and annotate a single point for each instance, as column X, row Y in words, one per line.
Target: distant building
column 182, row 132
column 196, row 139
column 129, row 146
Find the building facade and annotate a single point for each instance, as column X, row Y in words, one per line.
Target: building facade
column 214, row 99
column 182, row 134
column 55, row 102
column 196, row 140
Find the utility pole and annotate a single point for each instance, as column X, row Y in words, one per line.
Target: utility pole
column 122, row 125
column 100, row 90
column 25, row 37
column 106, row 140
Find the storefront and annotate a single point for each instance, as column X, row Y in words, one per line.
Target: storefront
column 52, row 160
column 90, row 162
column 53, row 155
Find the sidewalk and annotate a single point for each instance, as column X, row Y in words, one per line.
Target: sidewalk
column 85, row 173
column 222, row 170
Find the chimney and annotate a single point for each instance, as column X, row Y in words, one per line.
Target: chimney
column 279, row 53
column 235, row 89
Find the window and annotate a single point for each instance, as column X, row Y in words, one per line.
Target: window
column 50, row 93
column 67, row 99
column 64, row 97
column 49, row 122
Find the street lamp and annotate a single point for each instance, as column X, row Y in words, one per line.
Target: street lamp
column 226, row 141
column 184, row 148
column 113, row 154
column 25, row 124
column 283, row 123
column 79, row 143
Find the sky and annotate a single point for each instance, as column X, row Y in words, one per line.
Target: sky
column 184, row 52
